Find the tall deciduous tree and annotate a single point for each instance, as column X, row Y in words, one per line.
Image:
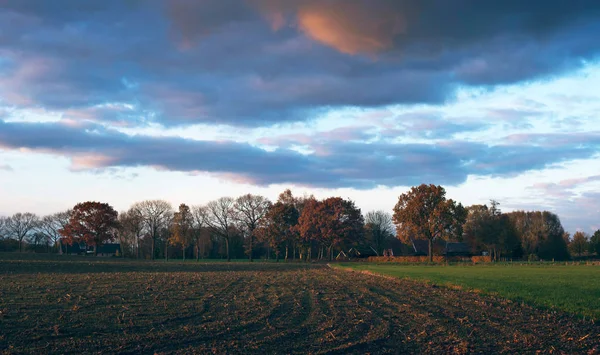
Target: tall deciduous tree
column 276, row 227
column 221, row 219
column 595, row 243
column 334, row 222
column 51, row 225
column 540, row 233
column 2, row 227
column 199, row 224
column 379, row 230
column 487, row 228
column 157, row 215
column 20, row 225
column 132, row 225
column 250, row 209
column 425, row 213
column 92, row 223
column 579, row 243
column 181, row 233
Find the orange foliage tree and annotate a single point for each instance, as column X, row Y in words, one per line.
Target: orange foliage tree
column 333, row 222
column 182, row 228
column 92, row 223
column 425, row 213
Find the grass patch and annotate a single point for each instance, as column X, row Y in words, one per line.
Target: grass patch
column 572, row 288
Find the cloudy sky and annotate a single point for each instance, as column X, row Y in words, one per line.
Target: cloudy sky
column 126, row 100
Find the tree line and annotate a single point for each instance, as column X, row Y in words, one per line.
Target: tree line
column 297, row 228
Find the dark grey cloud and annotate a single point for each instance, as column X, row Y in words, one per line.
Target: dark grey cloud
column 262, row 62
column 337, row 164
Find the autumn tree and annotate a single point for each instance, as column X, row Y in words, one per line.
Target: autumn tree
column 20, row 225
column 51, row 225
column 333, row 222
column 92, row 223
column 379, row 230
column 199, row 224
column 309, row 226
column 157, row 216
column 295, row 206
column 221, row 219
column 487, row 228
column 425, row 213
column 579, row 243
column 594, row 245
column 540, row 233
column 276, row 227
column 181, row 228
column 250, row 209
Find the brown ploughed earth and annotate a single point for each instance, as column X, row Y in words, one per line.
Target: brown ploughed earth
column 276, row 310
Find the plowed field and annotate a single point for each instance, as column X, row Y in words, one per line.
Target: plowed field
column 271, row 309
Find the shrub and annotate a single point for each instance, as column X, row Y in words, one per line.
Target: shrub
column 424, row 259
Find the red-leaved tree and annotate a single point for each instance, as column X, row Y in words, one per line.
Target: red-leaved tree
column 92, row 223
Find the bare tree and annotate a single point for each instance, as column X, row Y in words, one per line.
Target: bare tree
column 50, row 226
column 20, row 225
column 3, row 227
column 380, row 230
column 199, row 222
column 132, row 224
column 221, row 218
column 157, row 216
column 250, row 209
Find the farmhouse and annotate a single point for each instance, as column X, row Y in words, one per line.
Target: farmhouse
column 109, row 249
column 106, row 249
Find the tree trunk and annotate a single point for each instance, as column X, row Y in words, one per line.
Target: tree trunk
column 153, row 246
column 287, row 247
column 430, row 250
column 20, row 245
column 251, row 245
column 183, row 252
column 276, row 255
column 137, row 247
column 227, row 248
column 197, row 251
column 294, row 252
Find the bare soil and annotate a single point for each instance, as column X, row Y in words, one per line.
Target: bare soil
column 279, row 309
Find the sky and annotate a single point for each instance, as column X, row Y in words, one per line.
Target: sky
column 188, row 101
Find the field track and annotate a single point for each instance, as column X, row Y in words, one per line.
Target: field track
column 276, row 310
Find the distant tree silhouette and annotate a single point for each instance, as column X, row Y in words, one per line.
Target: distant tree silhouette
column 249, row 210
column 20, row 225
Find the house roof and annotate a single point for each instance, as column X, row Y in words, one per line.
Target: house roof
column 456, row 248
column 421, row 246
column 108, row 248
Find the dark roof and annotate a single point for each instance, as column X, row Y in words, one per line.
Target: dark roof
column 108, row 248
column 457, row 248
column 421, row 247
